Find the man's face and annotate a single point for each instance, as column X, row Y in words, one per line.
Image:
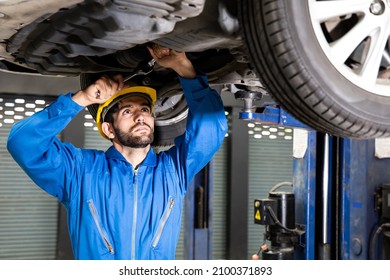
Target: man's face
column 133, row 123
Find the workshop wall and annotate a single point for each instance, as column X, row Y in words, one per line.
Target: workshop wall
column 270, row 162
column 28, row 216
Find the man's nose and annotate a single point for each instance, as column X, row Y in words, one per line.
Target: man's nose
column 139, row 117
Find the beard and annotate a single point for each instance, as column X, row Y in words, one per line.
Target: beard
column 127, row 138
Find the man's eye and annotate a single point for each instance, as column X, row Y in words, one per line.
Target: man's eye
column 126, row 112
column 147, row 110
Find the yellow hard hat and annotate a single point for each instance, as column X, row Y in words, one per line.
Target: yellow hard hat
column 146, row 92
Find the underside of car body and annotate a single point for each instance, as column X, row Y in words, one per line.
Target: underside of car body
column 100, row 36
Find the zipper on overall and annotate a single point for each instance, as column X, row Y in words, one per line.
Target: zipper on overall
column 163, row 222
column 96, row 219
column 135, row 206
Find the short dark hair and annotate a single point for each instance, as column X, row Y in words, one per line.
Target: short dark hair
column 110, row 114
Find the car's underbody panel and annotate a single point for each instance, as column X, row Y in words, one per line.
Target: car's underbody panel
column 96, row 36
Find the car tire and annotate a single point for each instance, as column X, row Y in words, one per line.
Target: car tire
column 290, row 54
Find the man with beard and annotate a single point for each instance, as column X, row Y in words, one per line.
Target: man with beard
column 124, row 203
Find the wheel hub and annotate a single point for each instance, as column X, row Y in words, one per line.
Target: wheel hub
column 377, row 7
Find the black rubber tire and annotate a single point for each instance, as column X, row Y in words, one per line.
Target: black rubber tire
column 164, row 135
column 286, row 55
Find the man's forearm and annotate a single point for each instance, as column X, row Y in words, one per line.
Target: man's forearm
column 185, row 69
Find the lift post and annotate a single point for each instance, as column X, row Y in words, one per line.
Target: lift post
column 276, row 210
column 341, row 189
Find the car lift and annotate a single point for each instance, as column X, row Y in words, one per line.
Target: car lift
column 340, row 199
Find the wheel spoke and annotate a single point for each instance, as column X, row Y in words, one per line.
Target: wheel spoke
column 379, row 40
column 341, row 49
column 321, row 11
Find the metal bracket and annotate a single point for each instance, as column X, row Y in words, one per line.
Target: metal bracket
column 267, row 114
column 272, row 115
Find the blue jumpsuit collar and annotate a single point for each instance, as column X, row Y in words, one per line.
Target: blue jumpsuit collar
column 150, row 160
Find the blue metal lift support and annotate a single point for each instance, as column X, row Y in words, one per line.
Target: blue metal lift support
column 362, row 175
column 304, row 186
column 342, row 193
column 271, row 115
column 197, row 240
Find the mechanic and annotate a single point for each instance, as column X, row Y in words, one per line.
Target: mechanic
column 124, row 203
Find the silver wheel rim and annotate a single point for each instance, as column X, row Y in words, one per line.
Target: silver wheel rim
column 361, row 49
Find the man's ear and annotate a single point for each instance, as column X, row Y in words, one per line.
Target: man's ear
column 108, row 130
